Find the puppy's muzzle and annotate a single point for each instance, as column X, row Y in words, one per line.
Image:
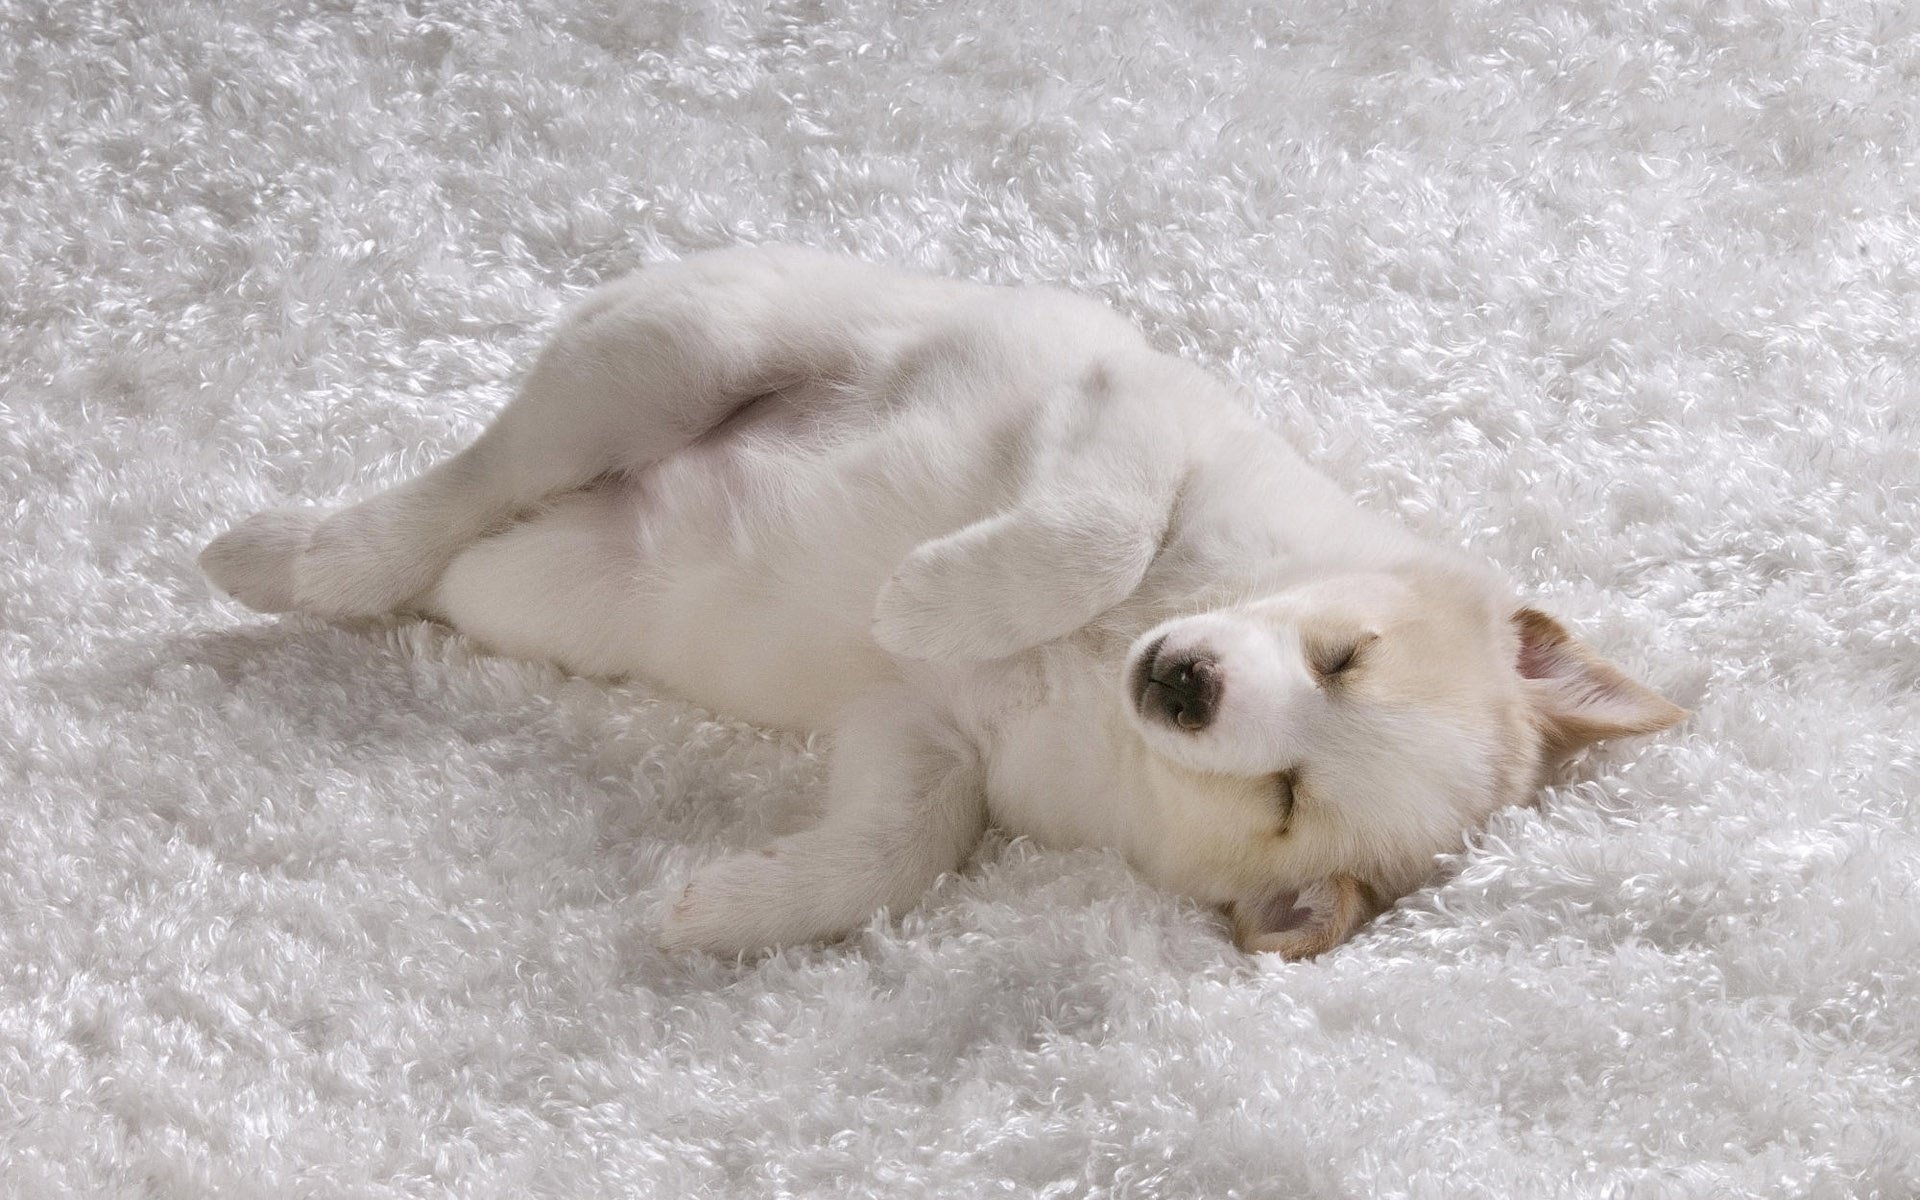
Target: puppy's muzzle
column 1179, row 689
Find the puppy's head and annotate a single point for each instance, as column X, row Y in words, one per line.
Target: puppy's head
column 1343, row 732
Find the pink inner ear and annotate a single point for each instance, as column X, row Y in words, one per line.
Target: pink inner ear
column 1543, row 647
column 1547, row 651
column 1579, row 696
column 1536, row 660
column 1281, row 912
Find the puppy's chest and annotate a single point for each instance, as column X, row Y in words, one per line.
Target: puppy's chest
column 1053, row 741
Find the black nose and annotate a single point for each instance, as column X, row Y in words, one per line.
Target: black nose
column 1180, row 689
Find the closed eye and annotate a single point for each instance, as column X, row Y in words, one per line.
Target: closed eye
column 1341, row 660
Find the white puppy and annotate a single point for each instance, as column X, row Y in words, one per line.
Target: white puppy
column 1025, row 569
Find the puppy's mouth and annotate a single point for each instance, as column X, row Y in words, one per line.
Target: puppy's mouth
column 1140, row 678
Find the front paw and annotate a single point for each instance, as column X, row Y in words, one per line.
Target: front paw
column 724, row 909
column 902, row 624
column 930, row 610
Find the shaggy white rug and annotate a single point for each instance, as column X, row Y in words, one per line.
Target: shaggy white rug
column 1626, row 297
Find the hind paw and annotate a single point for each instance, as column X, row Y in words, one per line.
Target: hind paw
column 723, row 909
column 355, row 562
column 254, row 561
column 364, row 561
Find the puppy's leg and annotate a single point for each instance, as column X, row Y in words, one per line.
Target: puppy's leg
column 906, row 802
column 556, row 587
column 1076, row 542
column 639, row 370
column 1019, row 578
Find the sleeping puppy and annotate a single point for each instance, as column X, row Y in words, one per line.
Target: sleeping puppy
column 1024, row 568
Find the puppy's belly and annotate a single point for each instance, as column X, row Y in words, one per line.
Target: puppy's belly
column 757, row 566
column 718, row 637
column 741, row 572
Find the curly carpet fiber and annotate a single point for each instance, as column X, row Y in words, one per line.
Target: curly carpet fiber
column 1624, row 297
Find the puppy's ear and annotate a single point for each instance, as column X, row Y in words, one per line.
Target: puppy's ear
column 1578, row 697
column 1302, row 922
